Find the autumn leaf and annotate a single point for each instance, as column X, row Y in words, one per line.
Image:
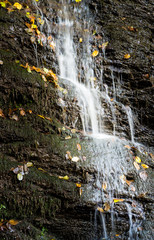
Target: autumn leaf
column 68, row 155
column 13, row 222
column 30, row 111
column 136, row 165
column 78, row 185
column 144, row 166
column 127, row 56
column 132, row 188
column 129, row 182
column 123, row 178
column 95, row 53
column 100, row 209
column 22, row 112
column 78, row 1
column 127, row 146
column 107, row 206
column 80, row 40
column 20, row 176
column 14, row 117
column 75, row 159
column 1, row 113
column 80, row 191
column 118, row 200
column 104, row 45
column 29, row 164
column 18, row 6
column 137, row 159
column 42, row 170
column 73, row 130
column 3, row 4
column 131, row 28
column 41, row 116
column 1, row 62
column 65, row 177
column 68, row 137
column 78, row 146
column 104, row 185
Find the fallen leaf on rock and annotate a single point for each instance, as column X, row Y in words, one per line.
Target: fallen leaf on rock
column 20, row 176
column 137, row 159
column 15, row 117
column 136, row 165
column 127, row 146
column 75, row 159
column 29, row 164
column 100, row 209
column 1, row 62
column 104, row 45
column 68, row 155
column 73, row 130
column 17, row 5
column 118, row 200
column 80, row 40
column 65, row 177
column 144, row 166
column 129, row 182
column 68, row 137
column 104, row 185
column 95, row 53
column 13, row 222
column 127, row 56
column 78, row 146
column 78, row 185
column 107, row 206
column 3, row 4
column 123, row 178
column 131, row 28
column 30, row 111
column 1, row 113
column 22, row 112
column 143, row 175
column 78, row 1
column 80, row 191
column 41, row 116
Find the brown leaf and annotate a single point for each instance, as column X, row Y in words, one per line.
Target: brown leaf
column 78, row 146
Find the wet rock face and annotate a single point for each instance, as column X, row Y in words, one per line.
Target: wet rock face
column 42, row 199
column 128, row 28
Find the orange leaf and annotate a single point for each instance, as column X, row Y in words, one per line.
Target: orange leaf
column 95, row 53
column 22, row 112
column 30, row 111
column 1, row 113
column 127, row 56
column 144, row 166
column 78, row 146
column 78, row 185
column 18, row 6
column 100, row 209
column 129, row 182
column 13, row 222
column 127, row 146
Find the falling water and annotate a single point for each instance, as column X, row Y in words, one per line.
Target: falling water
column 130, row 121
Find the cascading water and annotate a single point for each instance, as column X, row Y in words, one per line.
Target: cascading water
column 77, row 69
column 109, row 157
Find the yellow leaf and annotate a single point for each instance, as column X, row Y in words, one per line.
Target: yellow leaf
column 100, row 209
column 80, row 191
column 19, row 176
column 78, row 146
column 78, row 185
column 127, row 56
column 137, row 159
column 33, row 26
column 41, row 116
column 68, row 137
column 144, row 166
column 29, row 164
column 41, row 169
column 80, row 40
column 68, row 155
column 73, row 130
column 104, row 185
column 65, row 177
column 95, row 53
column 28, row 69
column 13, row 222
column 118, row 200
column 104, row 45
column 18, row 6
column 3, row 4
column 107, row 206
column 78, row 1
column 136, row 165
